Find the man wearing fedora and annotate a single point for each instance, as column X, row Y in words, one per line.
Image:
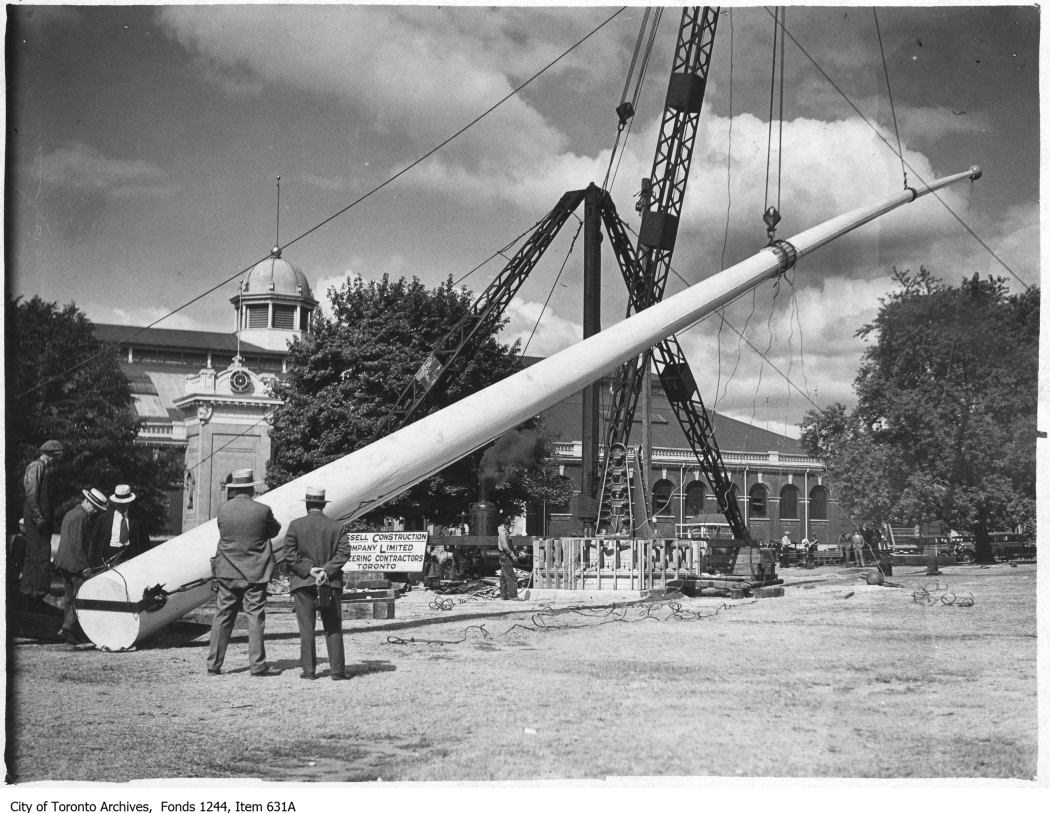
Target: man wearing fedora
column 38, row 511
column 117, row 536
column 73, row 556
column 316, row 548
column 242, row 567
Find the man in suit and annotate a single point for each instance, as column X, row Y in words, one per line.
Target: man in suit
column 316, row 548
column 73, row 556
column 118, row 536
column 38, row 512
column 242, row 567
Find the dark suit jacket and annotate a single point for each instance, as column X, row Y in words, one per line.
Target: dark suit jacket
column 138, row 537
column 315, row 541
column 39, row 506
column 74, row 549
column 245, row 530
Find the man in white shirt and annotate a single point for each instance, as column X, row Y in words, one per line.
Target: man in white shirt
column 118, row 536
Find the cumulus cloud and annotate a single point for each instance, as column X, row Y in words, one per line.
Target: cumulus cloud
column 543, row 338
column 416, row 74
column 799, row 349
column 323, row 286
column 84, row 168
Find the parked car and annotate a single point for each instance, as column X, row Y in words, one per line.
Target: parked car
column 1005, row 547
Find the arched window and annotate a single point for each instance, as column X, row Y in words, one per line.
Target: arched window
column 818, row 503
column 789, row 502
column 758, row 498
column 662, row 497
column 695, row 498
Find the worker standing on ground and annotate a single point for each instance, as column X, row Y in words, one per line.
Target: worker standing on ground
column 73, row 558
column 242, row 567
column 316, row 548
column 38, row 511
column 871, row 547
column 508, row 584
column 857, row 546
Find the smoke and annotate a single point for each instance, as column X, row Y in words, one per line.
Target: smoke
column 513, row 448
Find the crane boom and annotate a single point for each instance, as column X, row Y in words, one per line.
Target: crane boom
column 661, row 206
column 484, row 314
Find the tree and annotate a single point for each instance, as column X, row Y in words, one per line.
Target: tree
column 62, row 385
column 343, row 379
column 944, row 426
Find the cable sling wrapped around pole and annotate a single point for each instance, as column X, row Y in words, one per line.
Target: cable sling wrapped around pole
column 121, row 606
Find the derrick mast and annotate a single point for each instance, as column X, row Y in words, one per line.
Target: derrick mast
column 663, row 194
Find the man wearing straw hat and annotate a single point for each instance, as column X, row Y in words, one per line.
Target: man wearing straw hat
column 117, row 535
column 73, row 558
column 316, row 548
column 242, row 567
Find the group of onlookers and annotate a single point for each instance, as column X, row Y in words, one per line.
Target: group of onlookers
column 862, row 546
column 94, row 534
column 859, row 547
column 100, row 532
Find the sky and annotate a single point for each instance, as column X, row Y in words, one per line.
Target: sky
column 144, row 142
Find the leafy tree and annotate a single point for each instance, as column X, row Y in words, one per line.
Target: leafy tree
column 944, row 426
column 343, row 379
column 59, row 385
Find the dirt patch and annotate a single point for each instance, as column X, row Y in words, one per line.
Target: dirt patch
column 836, row 678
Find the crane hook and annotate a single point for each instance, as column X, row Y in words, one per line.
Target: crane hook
column 771, row 218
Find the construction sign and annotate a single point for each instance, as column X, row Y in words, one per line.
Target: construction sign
column 396, row 551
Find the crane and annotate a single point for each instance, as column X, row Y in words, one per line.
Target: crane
column 136, row 598
column 644, row 270
column 663, row 194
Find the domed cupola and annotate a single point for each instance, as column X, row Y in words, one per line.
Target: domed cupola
column 274, row 303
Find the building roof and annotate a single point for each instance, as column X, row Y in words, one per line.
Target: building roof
column 175, row 339
column 563, row 421
column 155, row 390
column 278, row 276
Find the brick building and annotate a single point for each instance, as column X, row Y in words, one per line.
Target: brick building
column 780, row 489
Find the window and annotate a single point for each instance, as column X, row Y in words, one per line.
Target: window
column 662, row 497
column 818, row 503
column 284, row 317
column 758, row 500
column 695, row 497
column 789, row 502
column 304, row 319
column 172, row 357
column 258, row 315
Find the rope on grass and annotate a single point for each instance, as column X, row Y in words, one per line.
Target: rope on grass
column 394, row 639
column 933, row 593
column 586, row 618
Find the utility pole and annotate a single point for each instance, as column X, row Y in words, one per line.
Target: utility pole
column 586, row 509
column 646, row 463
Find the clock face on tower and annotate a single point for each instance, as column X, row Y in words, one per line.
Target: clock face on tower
column 240, row 381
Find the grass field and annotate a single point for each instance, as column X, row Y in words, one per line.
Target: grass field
column 835, row 679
